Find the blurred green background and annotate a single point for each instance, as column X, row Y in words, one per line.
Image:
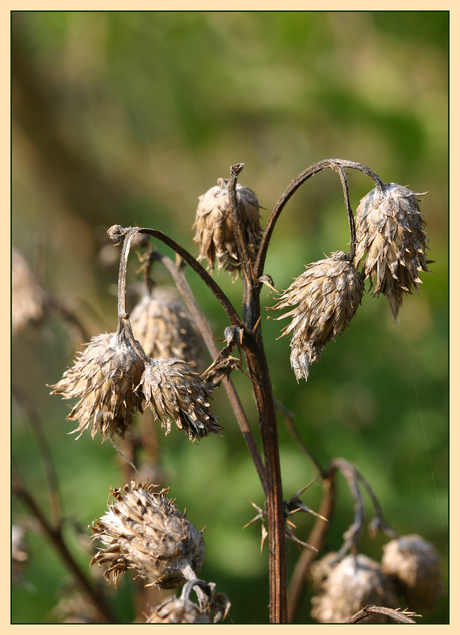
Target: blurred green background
column 127, row 117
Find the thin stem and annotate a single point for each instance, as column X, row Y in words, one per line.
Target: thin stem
column 241, row 245
column 205, row 330
column 291, row 189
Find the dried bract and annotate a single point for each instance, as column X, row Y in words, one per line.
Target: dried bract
column 353, row 583
column 28, row 298
column 214, row 226
column 173, row 390
column 177, row 611
column 328, row 294
column 144, row 531
column 104, row 379
column 415, row 564
column 164, row 328
column 392, row 241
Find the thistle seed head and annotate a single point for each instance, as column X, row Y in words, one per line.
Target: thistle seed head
column 352, row 583
column 328, row 294
column 415, row 565
column 104, row 379
column 177, row 611
column 214, row 226
column 392, row 241
column 164, row 328
column 143, row 530
column 173, row 390
column 28, row 298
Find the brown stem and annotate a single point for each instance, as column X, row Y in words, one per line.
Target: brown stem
column 55, row 536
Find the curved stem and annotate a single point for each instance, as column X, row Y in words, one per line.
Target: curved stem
column 291, row 189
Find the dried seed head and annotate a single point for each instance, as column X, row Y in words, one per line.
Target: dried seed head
column 173, row 390
column 328, row 294
column 164, row 328
column 28, row 298
column 177, row 611
column 144, row 531
column 415, row 564
column 353, row 583
column 392, row 241
column 104, row 379
column 214, row 226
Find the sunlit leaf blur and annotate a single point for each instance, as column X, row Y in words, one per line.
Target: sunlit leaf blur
column 127, row 118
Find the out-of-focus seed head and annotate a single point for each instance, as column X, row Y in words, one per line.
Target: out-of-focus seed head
column 214, row 226
column 164, row 327
column 28, row 298
column 328, row 294
column 392, row 241
column 177, row 611
column 19, row 554
column 173, row 390
column 104, row 379
column 352, row 584
column 144, row 531
column 415, row 565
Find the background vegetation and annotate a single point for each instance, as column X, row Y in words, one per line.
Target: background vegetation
column 127, row 117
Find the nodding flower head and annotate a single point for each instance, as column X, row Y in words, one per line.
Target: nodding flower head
column 144, row 531
column 214, row 226
column 391, row 242
column 104, row 379
column 327, row 296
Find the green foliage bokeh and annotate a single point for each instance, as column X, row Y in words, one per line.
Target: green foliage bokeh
column 152, row 108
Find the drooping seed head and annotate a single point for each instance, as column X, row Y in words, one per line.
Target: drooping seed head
column 353, row 583
column 214, row 226
column 177, row 611
column 327, row 296
column 173, row 390
column 144, row 531
column 164, row 328
column 415, row 565
column 392, row 242
column 104, row 379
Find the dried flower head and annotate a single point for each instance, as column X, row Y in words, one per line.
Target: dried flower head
column 415, row 564
column 164, row 327
column 28, row 298
column 328, row 294
column 104, row 379
column 352, row 584
column 392, row 241
column 214, row 226
column 143, row 530
column 173, row 390
column 177, row 611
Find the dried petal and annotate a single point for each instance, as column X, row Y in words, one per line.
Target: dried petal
column 104, row 379
column 392, row 242
column 214, row 226
column 144, row 531
column 328, row 294
column 173, row 390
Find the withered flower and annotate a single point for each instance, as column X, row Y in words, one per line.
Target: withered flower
column 177, row 611
column 328, row 294
column 415, row 565
column 173, row 390
column 28, row 298
column 104, row 379
column 392, row 241
column 164, row 328
column 354, row 582
column 144, row 531
column 214, row 226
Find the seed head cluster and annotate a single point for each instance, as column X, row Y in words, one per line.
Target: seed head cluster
column 391, row 242
column 327, row 296
column 144, row 531
column 215, row 230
